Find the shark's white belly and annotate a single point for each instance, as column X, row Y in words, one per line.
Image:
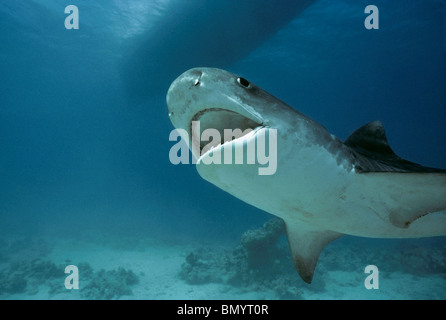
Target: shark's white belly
column 312, row 189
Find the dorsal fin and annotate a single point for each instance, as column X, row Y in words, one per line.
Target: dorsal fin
column 371, row 140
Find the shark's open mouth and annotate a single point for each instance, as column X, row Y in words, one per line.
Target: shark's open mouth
column 229, row 124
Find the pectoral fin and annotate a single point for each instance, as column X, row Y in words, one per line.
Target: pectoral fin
column 306, row 246
column 406, row 197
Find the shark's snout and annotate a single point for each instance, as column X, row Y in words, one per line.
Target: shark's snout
column 180, row 96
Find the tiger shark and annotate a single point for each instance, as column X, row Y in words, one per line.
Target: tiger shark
column 323, row 188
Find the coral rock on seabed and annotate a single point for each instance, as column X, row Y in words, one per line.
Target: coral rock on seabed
column 110, row 284
column 260, row 244
column 261, row 263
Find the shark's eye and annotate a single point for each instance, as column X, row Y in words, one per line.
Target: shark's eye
column 243, row 82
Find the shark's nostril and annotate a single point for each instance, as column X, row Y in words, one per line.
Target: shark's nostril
column 198, row 80
column 196, row 76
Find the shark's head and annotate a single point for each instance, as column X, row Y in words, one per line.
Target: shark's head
column 220, row 100
column 217, row 99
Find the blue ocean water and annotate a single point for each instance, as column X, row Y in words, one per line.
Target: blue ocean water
column 83, row 119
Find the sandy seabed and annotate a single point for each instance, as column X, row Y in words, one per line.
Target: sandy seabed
column 152, row 269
